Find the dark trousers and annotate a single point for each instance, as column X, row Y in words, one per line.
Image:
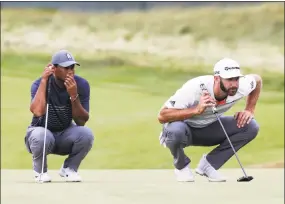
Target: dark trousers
column 178, row 135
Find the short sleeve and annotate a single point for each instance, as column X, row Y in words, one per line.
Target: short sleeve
column 183, row 97
column 34, row 88
column 247, row 84
column 84, row 95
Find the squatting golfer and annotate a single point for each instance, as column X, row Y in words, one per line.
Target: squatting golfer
column 188, row 119
column 68, row 111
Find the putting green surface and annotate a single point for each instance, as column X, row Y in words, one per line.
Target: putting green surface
column 142, row 186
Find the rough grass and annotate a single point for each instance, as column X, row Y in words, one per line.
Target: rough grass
column 202, row 23
column 252, row 35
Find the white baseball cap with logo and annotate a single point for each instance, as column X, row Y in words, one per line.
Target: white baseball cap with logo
column 227, row 68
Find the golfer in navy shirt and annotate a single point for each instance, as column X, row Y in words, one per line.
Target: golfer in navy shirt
column 68, row 99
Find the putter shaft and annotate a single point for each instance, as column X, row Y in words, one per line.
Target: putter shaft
column 45, row 134
column 44, row 148
column 235, row 153
column 214, row 110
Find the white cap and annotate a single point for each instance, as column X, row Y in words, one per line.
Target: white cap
column 227, row 68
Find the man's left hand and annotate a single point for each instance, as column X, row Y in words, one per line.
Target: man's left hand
column 243, row 117
column 71, row 86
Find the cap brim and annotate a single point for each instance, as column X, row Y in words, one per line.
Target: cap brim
column 68, row 63
column 228, row 76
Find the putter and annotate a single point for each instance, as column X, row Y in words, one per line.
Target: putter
column 245, row 178
column 45, row 135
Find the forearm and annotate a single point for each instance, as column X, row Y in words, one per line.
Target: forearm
column 79, row 114
column 254, row 95
column 38, row 105
column 169, row 115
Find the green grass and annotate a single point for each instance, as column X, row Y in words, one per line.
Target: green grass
column 125, row 100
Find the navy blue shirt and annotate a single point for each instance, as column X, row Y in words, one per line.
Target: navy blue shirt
column 60, row 109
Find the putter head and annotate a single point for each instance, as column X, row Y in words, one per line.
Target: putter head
column 245, row 179
column 40, row 179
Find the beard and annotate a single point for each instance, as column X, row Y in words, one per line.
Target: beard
column 231, row 91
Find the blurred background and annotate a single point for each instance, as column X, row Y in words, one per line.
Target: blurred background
column 135, row 55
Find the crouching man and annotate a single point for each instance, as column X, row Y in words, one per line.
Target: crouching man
column 67, row 96
column 188, row 120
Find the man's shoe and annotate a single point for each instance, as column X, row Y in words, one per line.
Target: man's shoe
column 44, row 178
column 205, row 169
column 69, row 174
column 184, row 175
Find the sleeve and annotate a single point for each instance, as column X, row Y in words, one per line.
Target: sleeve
column 84, row 95
column 34, row 89
column 183, row 97
column 247, row 84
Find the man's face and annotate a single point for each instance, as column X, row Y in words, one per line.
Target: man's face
column 229, row 86
column 61, row 72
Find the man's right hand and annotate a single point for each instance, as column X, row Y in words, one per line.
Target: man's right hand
column 49, row 69
column 205, row 101
column 38, row 104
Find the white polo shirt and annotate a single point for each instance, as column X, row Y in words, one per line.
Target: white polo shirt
column 189, row 96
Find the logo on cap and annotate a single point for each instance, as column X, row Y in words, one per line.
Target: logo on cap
column 68, row 56
column 230, row 68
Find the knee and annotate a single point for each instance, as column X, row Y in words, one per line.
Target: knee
column 36, row 139
column 37, row 136
column 175, row 132
column 253, row 129
column 86, row 135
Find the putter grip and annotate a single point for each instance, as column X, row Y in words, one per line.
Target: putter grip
column 48, row 87
column 203, row 88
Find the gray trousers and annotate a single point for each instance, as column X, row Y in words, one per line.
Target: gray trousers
column 75, row 141
column 178, row 135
